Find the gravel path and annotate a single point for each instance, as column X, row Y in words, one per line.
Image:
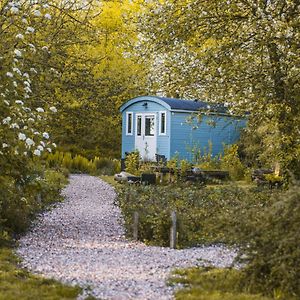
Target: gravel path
column 81, row 241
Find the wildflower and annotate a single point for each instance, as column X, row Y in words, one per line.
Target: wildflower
column 19, row 102
column 20, row 36
column 14, row 10
column 22, row 136
column 4, row 145
column 40, row 147
column 29, row 142
column 40, row 110
column 47, row 16
column 49, row 150
column 46, row 135
column 37, row 152
column 53, row 109
column 30, row 29
column 9, row 74
column 37, row 13
column 18, row 53
column 14, row 125
column 6, row 120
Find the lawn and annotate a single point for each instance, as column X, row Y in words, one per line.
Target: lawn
column 17, row 283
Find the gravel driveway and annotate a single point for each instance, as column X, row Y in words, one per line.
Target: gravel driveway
column 81, row 241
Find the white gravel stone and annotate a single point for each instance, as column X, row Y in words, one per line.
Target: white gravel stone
column 82, row 241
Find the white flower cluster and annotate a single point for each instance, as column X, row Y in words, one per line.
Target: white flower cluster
column 21, row 119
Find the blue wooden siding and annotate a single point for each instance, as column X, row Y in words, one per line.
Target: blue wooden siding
column 163, row 141
column 188, row 136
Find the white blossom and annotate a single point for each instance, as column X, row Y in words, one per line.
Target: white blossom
column 14, row 10
column 24, row 21
column 14, row 125
column 46, row 5
column 22, row 136
column 53, row 109
column 49, row 150
column 30, row 29
column 42, row 143
column 54, row 145
column 45, row 48
column 37, row 152
column 26, row 75
column 40, row 110
column 4, row 145
column 18, row 53
column 6, row 120
column 6, row 102
column 19, row 102
column 15, row 84
column 20, row 36
column 46, row 135
column 29, row 142
column 33, row 70
column 30, row 120
column 40, row 147
column 47, row 16
column 25, row 153
column 37, row 13
column 9, row 74
column 17, row 70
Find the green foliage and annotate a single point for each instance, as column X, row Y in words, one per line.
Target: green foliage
column 80, row 164
column 132, row 163
column 271, row 246
column 212, row 284
column 205, row 215
column 232, row 163
column 247, row 57
column 16, row 283
column 20, row 201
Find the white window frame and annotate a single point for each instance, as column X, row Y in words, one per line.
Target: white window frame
column 160, row 123
column 127, row 127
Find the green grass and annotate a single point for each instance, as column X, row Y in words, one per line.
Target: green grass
column 16, row 283
column 110, row 180
column 211, row 284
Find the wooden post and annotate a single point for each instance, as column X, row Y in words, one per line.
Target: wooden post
column 173, row 231
column 135, row 225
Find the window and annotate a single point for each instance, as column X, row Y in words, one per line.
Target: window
column 149, row 126
column 129, row 123
column 139, row 125
column 162, row 123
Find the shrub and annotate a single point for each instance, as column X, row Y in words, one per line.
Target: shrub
column 132, row 163
column 271, row 246
column 231, row 162
column 205, row 215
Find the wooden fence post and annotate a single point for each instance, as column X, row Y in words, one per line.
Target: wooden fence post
column 135, row 225
column 173, row 231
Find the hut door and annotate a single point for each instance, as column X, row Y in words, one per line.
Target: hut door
column 145, row 138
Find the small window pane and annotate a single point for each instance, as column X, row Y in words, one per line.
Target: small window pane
column 139, row 126
column 163, row 123
column 129, row 123
column 149, row 126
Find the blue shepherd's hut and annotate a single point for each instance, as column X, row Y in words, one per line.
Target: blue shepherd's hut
column 165, row 126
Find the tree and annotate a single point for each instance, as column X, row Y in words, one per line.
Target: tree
column 244, row 53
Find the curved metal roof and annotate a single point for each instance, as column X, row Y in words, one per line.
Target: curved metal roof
column 178, row 104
